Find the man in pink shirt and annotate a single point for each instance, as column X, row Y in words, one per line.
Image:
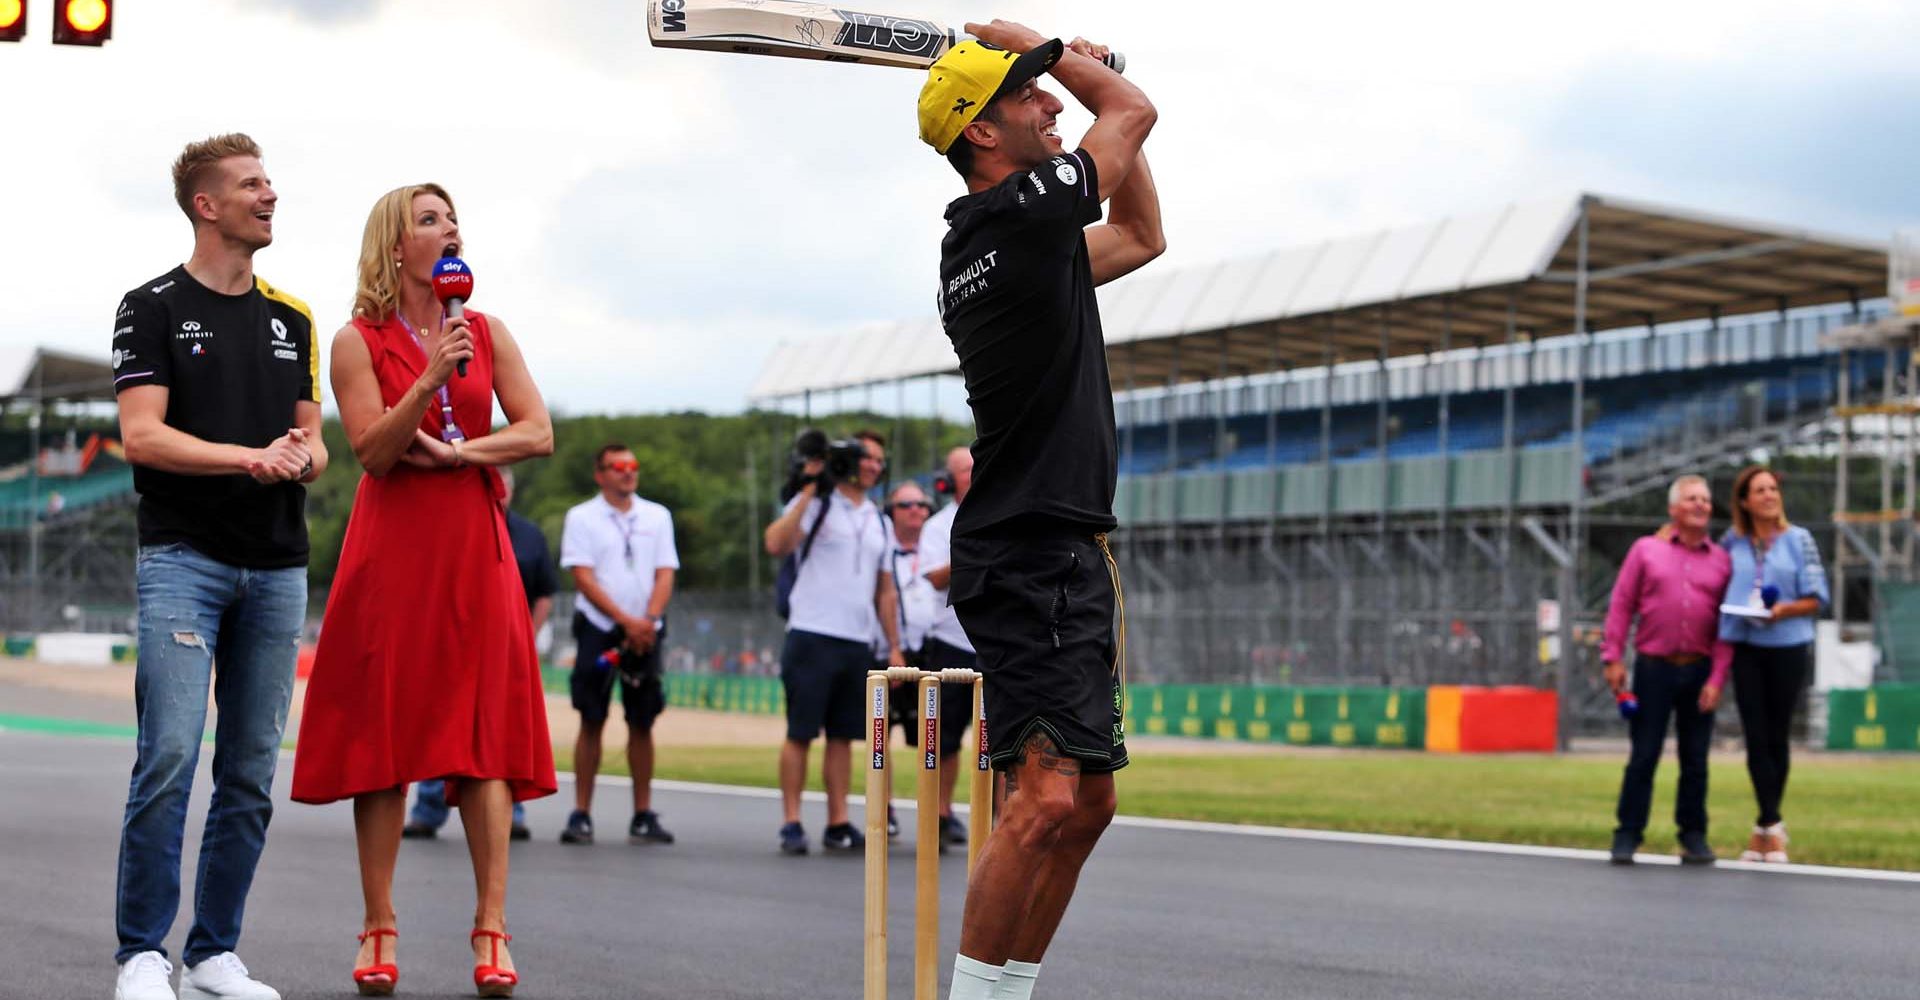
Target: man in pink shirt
column 1673, row 585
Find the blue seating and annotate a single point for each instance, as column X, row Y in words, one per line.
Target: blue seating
column 1625, row 414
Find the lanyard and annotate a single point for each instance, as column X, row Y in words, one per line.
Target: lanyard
column 624, row 525
column 449, row 428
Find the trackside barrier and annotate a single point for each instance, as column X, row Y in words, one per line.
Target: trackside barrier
column 727, row 693
column 1305, row 716
column 1882, row 717
column 1491, row 719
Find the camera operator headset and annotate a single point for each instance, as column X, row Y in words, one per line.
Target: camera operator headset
column 839, row 583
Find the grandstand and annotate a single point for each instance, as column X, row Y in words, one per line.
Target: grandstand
column 66, row 497
column 1390, row 458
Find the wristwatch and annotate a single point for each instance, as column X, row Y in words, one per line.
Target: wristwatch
column 305, row 470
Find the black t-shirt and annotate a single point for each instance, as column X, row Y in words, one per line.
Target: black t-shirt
column 536, row 562
column 1016, row 298
column 233, row 365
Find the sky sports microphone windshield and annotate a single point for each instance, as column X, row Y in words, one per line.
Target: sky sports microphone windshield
column 453, row 286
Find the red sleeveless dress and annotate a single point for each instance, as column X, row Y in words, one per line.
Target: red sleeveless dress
column 426, row 666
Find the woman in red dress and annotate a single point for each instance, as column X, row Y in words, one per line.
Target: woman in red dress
column 426, row 666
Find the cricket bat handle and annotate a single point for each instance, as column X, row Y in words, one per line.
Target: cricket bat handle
column 1116, row 61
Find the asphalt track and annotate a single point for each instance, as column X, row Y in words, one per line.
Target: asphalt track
column 1161, row 912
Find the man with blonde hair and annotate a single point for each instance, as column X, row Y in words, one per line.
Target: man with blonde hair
column 216, row 372
column 1672, row 583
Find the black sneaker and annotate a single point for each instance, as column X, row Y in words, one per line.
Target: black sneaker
column 843, row 837
column 893, row 824
column 1694, row 849
column 419, row 831
column 1624, row 844
column 793, row 839
column 579, row 829
column 646, row 829
column 952, row 830
column 519, row 831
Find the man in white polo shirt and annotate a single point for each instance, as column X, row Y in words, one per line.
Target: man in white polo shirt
column 620, row 551
column 947, row 646
column 843, row 582
column 908, row 508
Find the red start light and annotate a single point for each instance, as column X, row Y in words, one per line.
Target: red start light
column 86, row 15
column 13, row 20
column 82, row 22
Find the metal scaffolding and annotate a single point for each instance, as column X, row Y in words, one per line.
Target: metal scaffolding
column 1363, row 566
column 61, row 567
column 1875, row 536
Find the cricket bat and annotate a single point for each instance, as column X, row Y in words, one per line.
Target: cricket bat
column 804, row 31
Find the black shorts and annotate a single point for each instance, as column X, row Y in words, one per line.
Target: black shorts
column 1039, row 606
column 956, row 700
column 824, row 678
column 642, row 696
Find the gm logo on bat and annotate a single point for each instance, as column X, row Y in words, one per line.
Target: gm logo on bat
column 673, row 15
column 884, row 33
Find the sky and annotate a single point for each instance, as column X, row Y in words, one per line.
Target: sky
column 652, row 222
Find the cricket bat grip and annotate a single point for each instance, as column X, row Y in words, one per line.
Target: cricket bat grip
column 1116, row 61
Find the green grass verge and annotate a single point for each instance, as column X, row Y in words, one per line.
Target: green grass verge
column 1853, row 811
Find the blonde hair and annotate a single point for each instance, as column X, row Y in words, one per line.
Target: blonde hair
column 190, row 170
column 1742, row 519
column 376, row 292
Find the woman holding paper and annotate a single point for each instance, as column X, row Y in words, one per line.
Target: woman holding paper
column 1778, row 586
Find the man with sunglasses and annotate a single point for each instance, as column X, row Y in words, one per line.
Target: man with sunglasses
column 908, row 508
column 619, row 548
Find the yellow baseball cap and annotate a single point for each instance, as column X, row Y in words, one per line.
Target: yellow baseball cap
column 969, row 76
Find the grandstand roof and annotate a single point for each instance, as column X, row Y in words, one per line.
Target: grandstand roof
column 1647, row 264
column 45, row 373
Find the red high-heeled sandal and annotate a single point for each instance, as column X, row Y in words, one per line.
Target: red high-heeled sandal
column 490, row 979
column 378, row 979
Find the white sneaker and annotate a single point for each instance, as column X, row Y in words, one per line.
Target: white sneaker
column 146, row 976
column 223, row 977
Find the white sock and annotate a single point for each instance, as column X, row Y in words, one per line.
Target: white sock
column 972, row 980
column 1016, row 983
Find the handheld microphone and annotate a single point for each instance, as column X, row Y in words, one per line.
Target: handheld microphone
column 453, row 286
column 1628, row 703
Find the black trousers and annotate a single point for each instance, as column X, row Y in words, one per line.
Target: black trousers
column 1767, row 682
column 1666, row 689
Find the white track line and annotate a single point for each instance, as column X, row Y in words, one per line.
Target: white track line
column 1336, row 837
column 1324, row 836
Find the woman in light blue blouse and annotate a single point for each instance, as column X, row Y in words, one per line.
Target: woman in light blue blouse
column 1777, row 573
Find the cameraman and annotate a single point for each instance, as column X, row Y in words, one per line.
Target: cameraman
column 842, row 584
column 908, row 509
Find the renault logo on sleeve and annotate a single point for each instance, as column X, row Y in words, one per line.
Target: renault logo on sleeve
column 279, row 329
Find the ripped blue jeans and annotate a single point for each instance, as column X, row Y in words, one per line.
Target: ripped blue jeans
column 195, row 610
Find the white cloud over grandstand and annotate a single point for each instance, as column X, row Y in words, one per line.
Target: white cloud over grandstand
column 652, row 222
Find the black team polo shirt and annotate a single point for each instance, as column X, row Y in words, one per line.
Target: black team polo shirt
column 234, row 366
column 1017, row 300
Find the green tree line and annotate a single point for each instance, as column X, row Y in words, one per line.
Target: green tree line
column 720, row 476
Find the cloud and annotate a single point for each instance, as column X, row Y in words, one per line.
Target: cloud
column 325, row 11
column 650, row 222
